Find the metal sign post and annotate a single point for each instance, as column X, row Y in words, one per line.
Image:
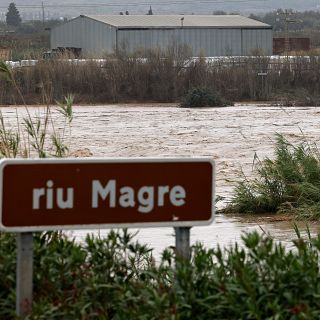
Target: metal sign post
column 24, row 273
column 183, row 242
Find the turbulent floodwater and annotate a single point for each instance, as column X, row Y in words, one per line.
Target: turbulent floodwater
column 231, row 136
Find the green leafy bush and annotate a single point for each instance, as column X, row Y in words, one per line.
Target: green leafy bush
column 203, row 97
column 117, row 278
column 289, row 183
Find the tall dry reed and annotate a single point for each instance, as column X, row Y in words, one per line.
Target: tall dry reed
column 165, row 76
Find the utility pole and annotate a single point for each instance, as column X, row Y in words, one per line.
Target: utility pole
column 42, row 6
column 287, row 18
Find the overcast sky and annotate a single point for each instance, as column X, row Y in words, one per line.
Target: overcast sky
column 76, row 7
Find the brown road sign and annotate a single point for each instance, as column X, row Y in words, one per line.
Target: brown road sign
column 81, row 193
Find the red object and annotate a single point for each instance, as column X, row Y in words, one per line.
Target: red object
column 295, row 44
column 73, row 194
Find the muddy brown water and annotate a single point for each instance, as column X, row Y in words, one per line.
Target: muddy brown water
column 231, row 136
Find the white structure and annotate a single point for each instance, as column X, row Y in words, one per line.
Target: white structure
column 209, row 34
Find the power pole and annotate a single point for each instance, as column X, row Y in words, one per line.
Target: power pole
column 287, row 18
column 42, row 6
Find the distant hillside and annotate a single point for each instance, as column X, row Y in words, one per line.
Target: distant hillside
column 57, row 7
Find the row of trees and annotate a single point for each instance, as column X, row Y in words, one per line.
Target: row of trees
column 13, row 18
column 309, row 20
column 297, row 21
column 304, row 23
column 302, row 20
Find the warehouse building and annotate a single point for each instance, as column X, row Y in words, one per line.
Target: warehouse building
column 210, row 35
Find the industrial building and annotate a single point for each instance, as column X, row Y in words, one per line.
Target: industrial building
column 210, row 35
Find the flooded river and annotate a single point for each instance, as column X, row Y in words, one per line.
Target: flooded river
column 231, row 136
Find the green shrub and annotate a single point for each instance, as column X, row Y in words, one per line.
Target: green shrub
column 289, row 183
column 202, row 97
column 116, row 278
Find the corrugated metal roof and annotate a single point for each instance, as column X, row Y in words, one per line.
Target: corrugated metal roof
column 172, row 21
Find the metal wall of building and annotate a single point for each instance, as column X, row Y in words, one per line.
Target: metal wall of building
column 208, row 41
column 92, row 36
column 257, row 39
column 96, row 37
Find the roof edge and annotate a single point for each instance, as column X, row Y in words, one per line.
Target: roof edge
column 261, row 25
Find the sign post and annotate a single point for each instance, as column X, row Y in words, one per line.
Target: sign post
column 24, row 273
column 183, row 242
column 71, row 194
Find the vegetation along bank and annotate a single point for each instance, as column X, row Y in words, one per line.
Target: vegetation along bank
column 166, row 77
column 117, row 278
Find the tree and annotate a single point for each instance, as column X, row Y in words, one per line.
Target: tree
column 13, row 18
column 150, row 13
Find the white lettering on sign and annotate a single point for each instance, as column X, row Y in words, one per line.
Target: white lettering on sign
column 48, row 195
column 126, row 197
column 145, row 196
column 98, row 190
column 177, row 196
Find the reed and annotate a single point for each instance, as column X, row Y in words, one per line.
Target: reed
column 29, row 137
column 288, row 183
column 166, row 76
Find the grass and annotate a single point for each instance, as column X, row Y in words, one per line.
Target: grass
column 289, row 183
